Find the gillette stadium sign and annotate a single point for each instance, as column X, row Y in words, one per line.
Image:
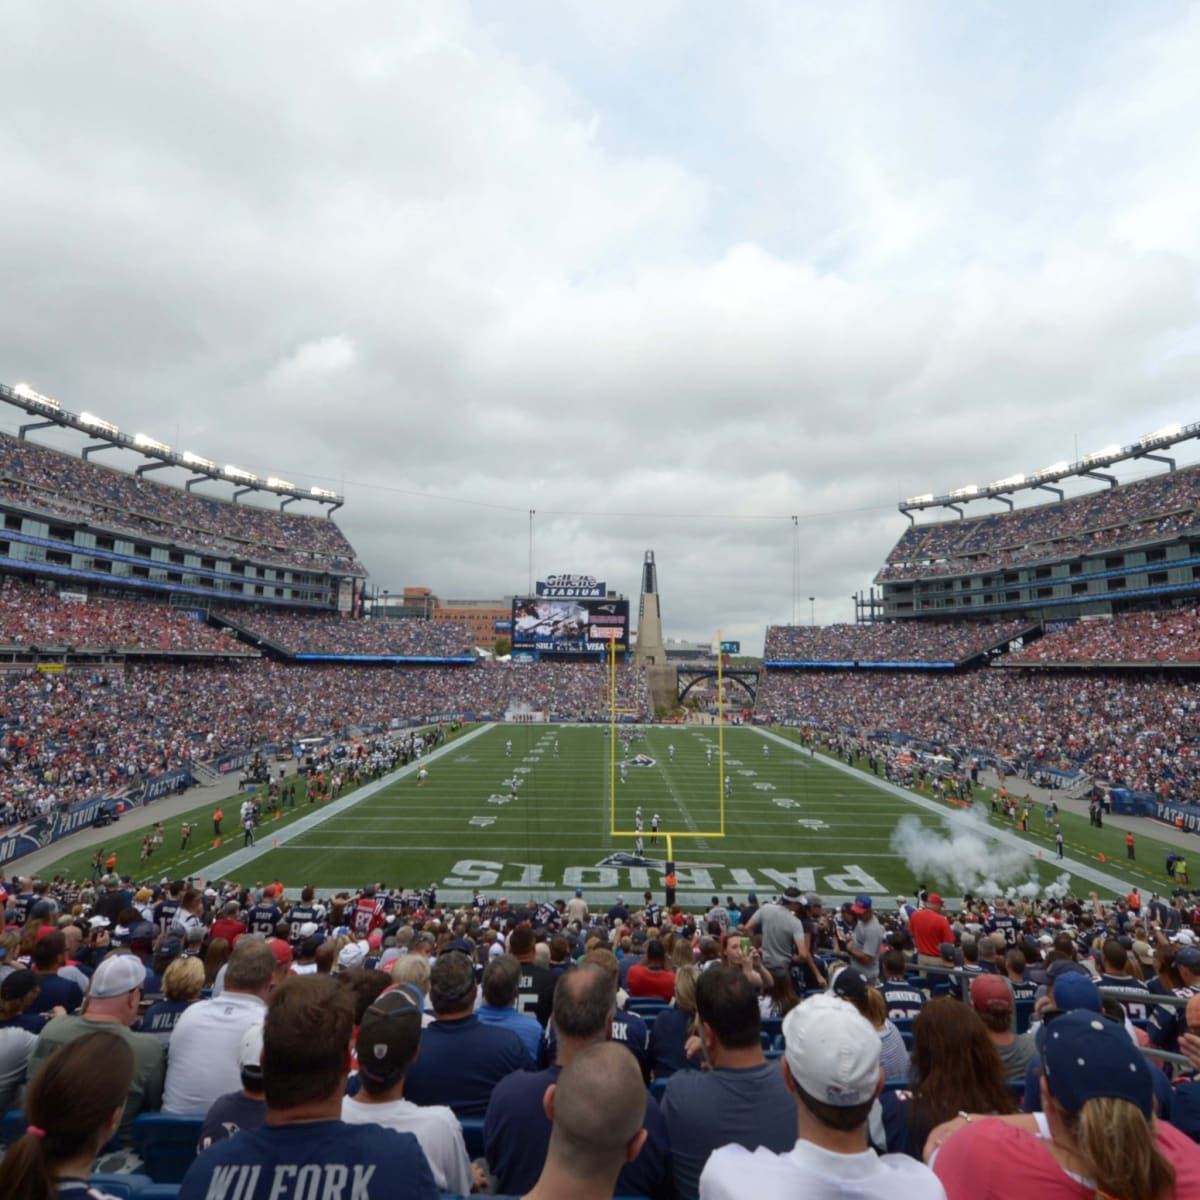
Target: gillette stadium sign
column 571, row 586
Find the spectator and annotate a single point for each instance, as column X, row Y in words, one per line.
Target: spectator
column 203, row 1063
column 501, row 979
column 832, row 1070
column 73, row 1108
column 245, row 1108
column 183, row 982
column 517, row 1130
column 955, row 1068
column 596, row 1108
column 387, row 1043
column 112, row 1007
column 652, row 978
column 54, row 991
column 741, row 1097
column 849, row 985
column 461, row 1059
column 305, row 1063
column 783, row 934
column 536, row 988
column 673, row 1026
column 992, row 999
column 1098, row 1125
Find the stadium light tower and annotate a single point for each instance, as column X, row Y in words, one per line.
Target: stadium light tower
column 812, row 610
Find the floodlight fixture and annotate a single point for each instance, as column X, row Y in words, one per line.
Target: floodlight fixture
column 1167, row 431
column 1054, row 469
column 971, row 489
column 1106, row 452
column 27, row 393
column 144, row 442
column 237, row 473
column 927, row 498
column 1008, row 482
column 94, row 422
column 195, row 460
column 280, row 484
column 322, row 493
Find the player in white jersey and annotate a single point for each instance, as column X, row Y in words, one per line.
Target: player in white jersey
column 766, row 752
column 654, row 823
column 708, row 754
column 671, row 753
column 508, row 748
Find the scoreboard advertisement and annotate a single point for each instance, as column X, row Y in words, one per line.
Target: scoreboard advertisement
column 576, row 626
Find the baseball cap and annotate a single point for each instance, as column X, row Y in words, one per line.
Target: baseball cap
column 1066, row 966
column 389, row 1034
column 117, row 975
column 1188, row 956
column 1143, row 952
column 813, row 900
column 352, row 955
column 861, row 905
column 849, row 983
column 143, row 933
column 250, row 1052
column 991, row 993
column 283, row 952
column 1072, row 991
column 832, row 1052
column 793, row 896
column 18, row 984
column 948, row 950
column 169, row 948
column 934, row 898
column 307, row 929
column 1185, row 937
column 1086, row 1056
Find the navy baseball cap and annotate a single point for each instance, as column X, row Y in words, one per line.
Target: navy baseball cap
column 1086, row 1056
column 1073, row 991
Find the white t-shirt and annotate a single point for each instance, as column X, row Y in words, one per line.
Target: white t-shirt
column 433, row 1125
column 203, row 1063
column 807, row 1172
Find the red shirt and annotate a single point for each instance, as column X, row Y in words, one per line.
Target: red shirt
column 929, row 930
column 227, row 928
column 642, row 981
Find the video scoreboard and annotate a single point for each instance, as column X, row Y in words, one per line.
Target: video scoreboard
column 570, row 626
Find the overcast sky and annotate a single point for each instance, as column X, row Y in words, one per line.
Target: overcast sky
column 668, row 274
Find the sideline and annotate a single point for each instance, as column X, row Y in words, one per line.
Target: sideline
column 224, row 868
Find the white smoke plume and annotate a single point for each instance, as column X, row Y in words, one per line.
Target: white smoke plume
column 966, row 856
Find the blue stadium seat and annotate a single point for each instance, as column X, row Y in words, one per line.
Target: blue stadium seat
column 1024, row 1015
column 12, row 1125
column 772, row 1025
column 897, row 1085
column 159, row 1191
column 472, row 1128
column 125, row 1187
column 166, row 1144
column 645, row 1004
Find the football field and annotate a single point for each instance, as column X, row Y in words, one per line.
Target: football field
column 558, row 811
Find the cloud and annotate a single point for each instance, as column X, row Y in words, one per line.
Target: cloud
column 669, row 280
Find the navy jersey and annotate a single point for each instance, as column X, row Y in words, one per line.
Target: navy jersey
column 264, row 917
column 653, row 915
column 165, row 912
column 904, row 1001
column 1007, row 925
column 301, row 914
column 1137, row 1007
column 546, row 917
column 24, row 902
column 1023, row 990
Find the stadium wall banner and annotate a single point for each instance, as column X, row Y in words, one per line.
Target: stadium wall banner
column 156, row 786
column 227, row 763
column 1183, row 816
column 571, row 587
column 42, row 831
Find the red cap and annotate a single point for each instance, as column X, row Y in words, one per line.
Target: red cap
column 934, row 898
column 283, row 952
column 990, row 993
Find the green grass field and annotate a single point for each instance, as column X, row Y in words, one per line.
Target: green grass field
column 792, row 819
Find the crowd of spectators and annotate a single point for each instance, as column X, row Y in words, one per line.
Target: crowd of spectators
column 1164, row 506
column 579, row 691
column 738, row 1047
column 70, row 487
column 898, row 641
column 38, row 615
column 1142, row 733
column 1159, row 638
column 335, row 633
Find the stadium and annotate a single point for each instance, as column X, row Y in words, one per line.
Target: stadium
column 1046, row 650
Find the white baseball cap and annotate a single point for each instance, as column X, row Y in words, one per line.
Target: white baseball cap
column 832, row 1051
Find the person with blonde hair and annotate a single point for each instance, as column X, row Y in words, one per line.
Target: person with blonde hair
column 183, row 981
column 414, row 969
column 673, row 1026
column 1096, row 1137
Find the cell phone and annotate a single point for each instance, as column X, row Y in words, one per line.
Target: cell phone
column 745, row 945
